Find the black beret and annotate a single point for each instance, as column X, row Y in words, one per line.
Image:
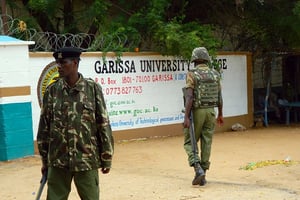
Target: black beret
column 67, row 52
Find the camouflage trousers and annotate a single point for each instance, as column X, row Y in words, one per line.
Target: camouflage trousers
column 204, row 125
column 59, row 184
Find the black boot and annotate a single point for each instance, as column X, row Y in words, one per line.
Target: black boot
column 203, row 181
column 199, row 174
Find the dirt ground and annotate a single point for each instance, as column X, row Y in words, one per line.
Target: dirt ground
column 157, row 168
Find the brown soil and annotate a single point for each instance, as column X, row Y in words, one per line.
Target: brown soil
column 157, row 168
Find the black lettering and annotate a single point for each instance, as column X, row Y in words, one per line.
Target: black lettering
column 126, row 67
column 168, row 65
column 175, row 65
column 188, row 65
column 157, row 63
column 163, row 62
column 132, row 69
column 104, row 68
column 120, row 66
column 115, row 67
column 97, row 67
column 146, row 66
column 111, row 66
column 149, row 66
column 142, row 66
column 224, row 63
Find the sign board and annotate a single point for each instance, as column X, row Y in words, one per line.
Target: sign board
column 144, row 91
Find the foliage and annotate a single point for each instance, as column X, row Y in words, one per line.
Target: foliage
column 269, row 26
column 150, row 29
column 121, row 39
column 96, row 12
column 42, row 5
column 175, row 38
column 260, row 164
column 48, row 8
column 171, row 27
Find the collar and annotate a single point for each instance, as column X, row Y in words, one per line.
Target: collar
column 79, row 85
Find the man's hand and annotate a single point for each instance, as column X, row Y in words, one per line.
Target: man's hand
column 220, row 121
column 105, row 170
column 186, row 122
column 44, row 169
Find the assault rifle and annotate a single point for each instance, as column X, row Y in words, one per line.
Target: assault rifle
column 42, row 184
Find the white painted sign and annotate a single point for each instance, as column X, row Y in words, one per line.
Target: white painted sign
column 140, row 91
column 144, row 91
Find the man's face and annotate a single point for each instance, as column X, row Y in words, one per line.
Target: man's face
column 66, row 66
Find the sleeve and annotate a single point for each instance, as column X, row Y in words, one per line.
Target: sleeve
column 44, row 128
column 190, row 80
column 220, row 98
column 104, row 133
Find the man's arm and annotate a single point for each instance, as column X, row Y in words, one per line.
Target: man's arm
column 188, row 107
column 43, row 131
column 220, row 120
column 189, row 97
column 105, row 137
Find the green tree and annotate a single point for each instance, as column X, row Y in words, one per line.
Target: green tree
column 155, row 27
column 171, row 27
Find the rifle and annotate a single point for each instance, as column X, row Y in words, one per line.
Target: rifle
column 191, row 128
column 192, row 136
column 42, row 184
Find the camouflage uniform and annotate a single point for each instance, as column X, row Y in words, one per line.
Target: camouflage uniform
column 74, row 133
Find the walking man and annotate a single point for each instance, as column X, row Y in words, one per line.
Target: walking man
column 203, row 93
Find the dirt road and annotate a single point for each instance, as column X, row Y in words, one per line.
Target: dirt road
column 157, row 168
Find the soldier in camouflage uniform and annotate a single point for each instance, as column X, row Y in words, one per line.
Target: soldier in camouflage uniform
column 74, row 136
column 203, row 93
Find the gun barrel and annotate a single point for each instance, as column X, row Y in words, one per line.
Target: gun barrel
column 42, row 184
column 192, row 135
column 191, row 128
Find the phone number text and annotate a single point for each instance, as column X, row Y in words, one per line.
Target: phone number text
column 123, row 90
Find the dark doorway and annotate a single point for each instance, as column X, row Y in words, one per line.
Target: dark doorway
column 291, row 84
column 291, row 78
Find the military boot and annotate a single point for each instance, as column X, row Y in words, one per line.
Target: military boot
column 203, row 181
column 199, row 174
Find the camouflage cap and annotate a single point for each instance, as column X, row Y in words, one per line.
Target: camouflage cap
column 200, row 53
column 67, row 52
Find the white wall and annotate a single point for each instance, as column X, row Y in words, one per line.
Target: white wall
column 143, row 100
column 14, row 70
column 234, row 85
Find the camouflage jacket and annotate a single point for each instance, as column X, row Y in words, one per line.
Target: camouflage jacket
column 74, row 130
